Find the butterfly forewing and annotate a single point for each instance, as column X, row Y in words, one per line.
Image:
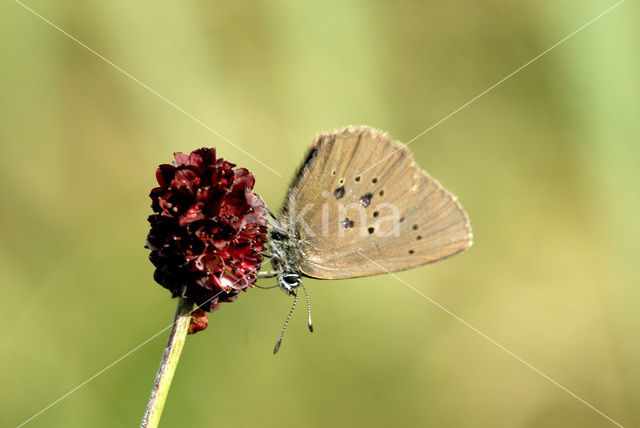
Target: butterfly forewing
column 352, row 219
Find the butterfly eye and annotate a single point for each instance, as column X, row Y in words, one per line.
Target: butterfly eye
column 290, row 279
column 339, row 192
column 341, row 181
column 333, row 172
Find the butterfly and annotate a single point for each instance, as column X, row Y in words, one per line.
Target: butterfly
column 359, row 206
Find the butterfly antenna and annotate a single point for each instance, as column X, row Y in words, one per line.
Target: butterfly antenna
column 284, row 327
column 308, row 306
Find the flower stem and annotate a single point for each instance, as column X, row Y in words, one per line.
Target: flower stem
column 168, row 364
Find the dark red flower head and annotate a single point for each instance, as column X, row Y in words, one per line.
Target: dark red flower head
column 209, row 230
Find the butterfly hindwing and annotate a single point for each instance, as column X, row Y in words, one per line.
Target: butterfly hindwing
column 360, row 216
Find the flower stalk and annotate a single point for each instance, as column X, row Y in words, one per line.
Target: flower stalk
column 168, row 364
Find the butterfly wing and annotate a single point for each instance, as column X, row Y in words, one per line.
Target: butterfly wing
column 353, row 216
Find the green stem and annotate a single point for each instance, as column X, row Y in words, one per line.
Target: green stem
column 168, row 364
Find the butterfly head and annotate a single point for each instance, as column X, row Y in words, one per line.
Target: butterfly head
column 288, row 281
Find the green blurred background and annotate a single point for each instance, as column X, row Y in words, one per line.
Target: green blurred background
column 546, row 164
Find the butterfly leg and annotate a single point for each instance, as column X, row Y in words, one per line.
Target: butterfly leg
column 268, row 274
column 271, row 214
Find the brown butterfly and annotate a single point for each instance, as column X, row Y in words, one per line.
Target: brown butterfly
column 359, row 206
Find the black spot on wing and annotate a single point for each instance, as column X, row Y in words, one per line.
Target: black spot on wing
column 339, row 192
column 365, row 200
column 346, row 223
